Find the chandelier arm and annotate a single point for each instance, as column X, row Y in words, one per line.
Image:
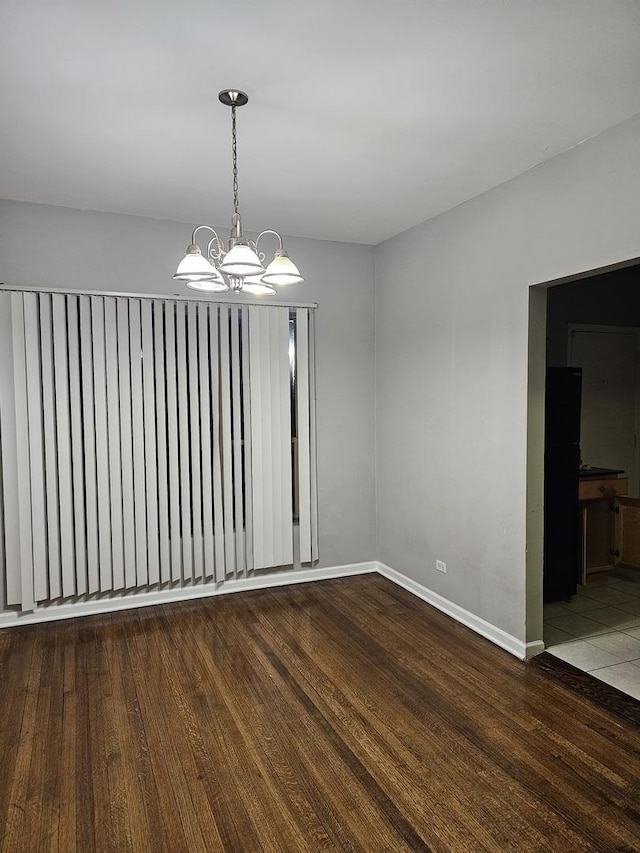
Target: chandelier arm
column 269, row 231
column 216, row 255
column 211, row 230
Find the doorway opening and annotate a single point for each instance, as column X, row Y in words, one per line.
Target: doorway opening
column 586, row 329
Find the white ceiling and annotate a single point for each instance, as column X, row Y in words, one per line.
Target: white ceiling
column 364, row 117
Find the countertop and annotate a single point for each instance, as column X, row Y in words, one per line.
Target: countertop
column 599, row 472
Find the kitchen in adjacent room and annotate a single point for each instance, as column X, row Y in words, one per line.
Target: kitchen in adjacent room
column 592, row 476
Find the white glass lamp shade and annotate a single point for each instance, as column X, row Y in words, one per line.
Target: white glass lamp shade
column 255, row 285
column 241, row 261
column 208, row 284
column 194, row 267
column 282, row 270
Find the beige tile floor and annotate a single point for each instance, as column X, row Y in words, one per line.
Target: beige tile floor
column 598, row 630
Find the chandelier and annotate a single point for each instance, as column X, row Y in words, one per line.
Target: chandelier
column 240, row 266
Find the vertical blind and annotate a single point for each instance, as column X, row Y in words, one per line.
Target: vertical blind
column 150, row 442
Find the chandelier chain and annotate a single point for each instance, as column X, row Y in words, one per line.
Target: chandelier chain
column 235, row 159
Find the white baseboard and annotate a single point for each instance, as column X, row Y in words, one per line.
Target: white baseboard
column 126, row 601
column 533, row 649
column 51, row 612
column 511, row 644
column 285, row 578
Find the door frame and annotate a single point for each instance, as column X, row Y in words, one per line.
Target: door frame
column 535, row 382
column 634, row 477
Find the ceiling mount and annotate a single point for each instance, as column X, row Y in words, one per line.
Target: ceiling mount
column 232, row 98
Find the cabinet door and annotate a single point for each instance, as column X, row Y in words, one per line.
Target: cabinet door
column 598, row 535
column 626, row 532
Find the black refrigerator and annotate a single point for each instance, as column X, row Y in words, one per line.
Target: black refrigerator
column 561, row 474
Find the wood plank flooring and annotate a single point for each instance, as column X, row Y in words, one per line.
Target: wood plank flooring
column 343, row 715
column 621, row 704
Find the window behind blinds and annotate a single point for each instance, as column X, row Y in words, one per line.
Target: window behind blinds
column 150, row 442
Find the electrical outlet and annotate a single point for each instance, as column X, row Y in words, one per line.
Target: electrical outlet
column 441, row 567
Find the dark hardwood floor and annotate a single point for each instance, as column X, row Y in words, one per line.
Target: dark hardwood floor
column 340, row 715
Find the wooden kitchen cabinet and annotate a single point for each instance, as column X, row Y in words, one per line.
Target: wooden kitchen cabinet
column 626, row 532
column 610, row 525
column 599, row 488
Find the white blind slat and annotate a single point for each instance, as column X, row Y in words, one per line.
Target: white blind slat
column 205, row 439
column 238, row 491
column 150, row 450
column 104, row 520
column 63, row 431
column 278, row 460
column 126, row 442
column 10, row 476
column 218, row 509
column 50, row 448
column 270, row 437
column 77, row 454
column 304, row 440
column 113, row 431
column 227, row 464
column 194, row 434
column 283, row 436
column 137, row 434
column 36, row 447
column 173, row 443
column 312, row 439
column 22, row 452
column 257, row 451
column 162, row 442
column 184, row 443
column 248, row 499
column 89, row 445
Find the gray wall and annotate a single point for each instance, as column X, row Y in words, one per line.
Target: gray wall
column 452, row 306
column 451, row 359
column 43, row 246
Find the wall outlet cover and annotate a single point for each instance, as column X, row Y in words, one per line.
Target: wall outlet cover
column 441, row 567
